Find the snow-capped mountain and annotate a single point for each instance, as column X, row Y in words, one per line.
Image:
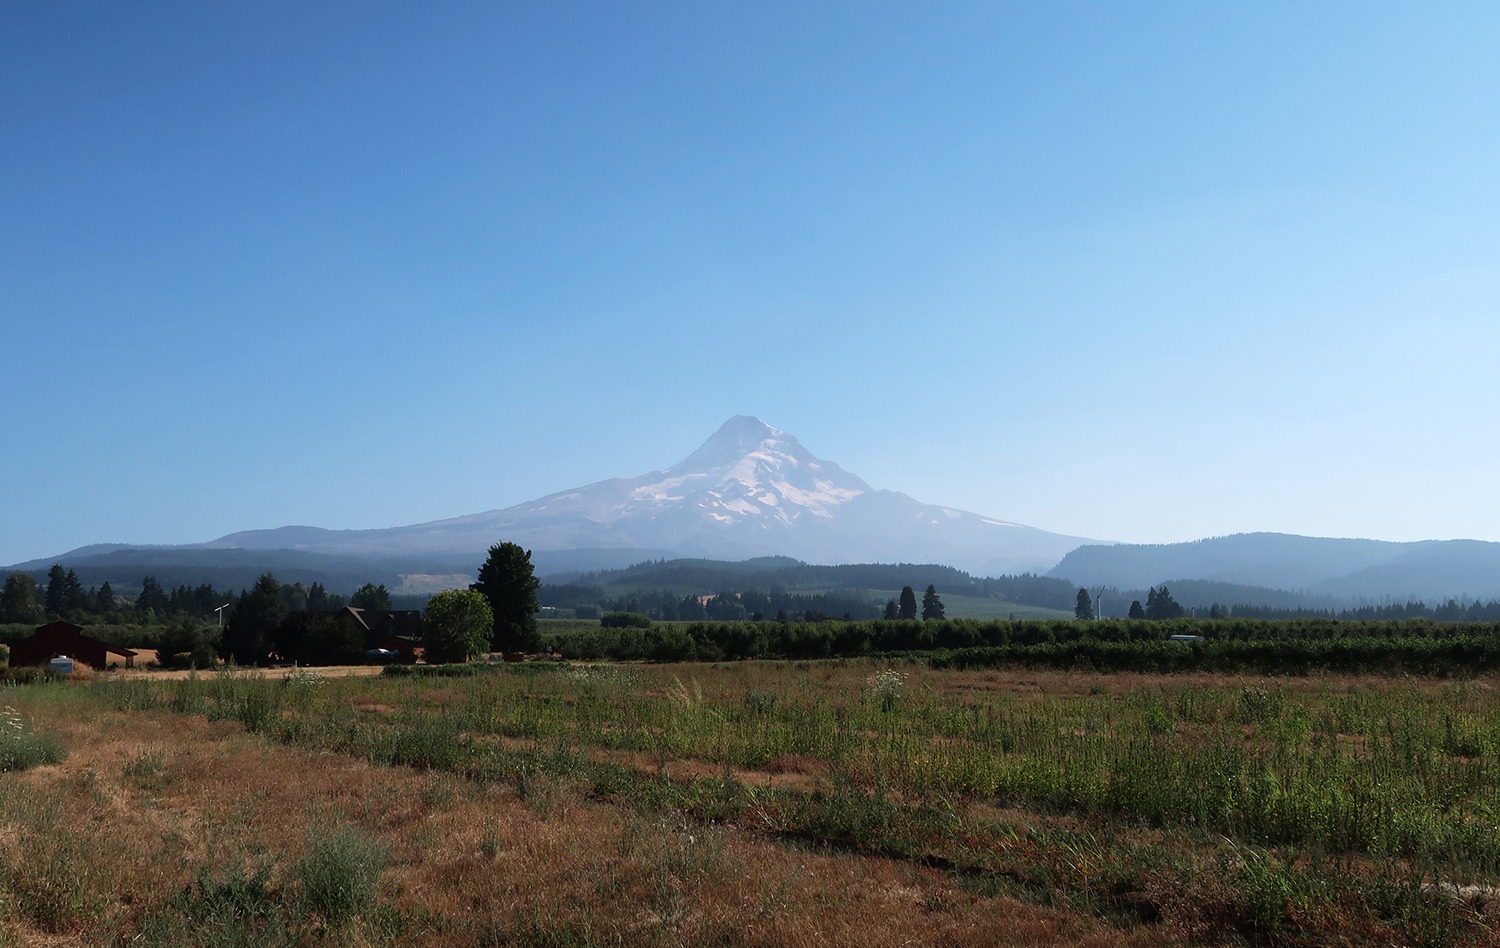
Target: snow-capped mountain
column 750, row 490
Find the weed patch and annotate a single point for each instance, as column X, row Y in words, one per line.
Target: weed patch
column 21, row 747
column 339, row 873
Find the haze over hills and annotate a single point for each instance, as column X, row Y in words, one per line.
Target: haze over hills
column 1321, row 568
column 750, row 490
column 753, row 491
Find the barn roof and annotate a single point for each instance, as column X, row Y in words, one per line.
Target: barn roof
column 66, row 635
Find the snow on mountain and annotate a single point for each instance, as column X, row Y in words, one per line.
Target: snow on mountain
column 747, row 470
column 750, row 490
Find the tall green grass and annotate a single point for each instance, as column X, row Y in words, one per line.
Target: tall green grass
column 22, row 748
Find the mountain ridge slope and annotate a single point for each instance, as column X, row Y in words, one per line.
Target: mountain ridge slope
column 1342, row 568
column 749, row 490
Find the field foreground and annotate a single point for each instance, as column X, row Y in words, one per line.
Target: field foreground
column 755, row 804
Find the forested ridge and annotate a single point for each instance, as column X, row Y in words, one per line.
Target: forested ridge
column 697, row 589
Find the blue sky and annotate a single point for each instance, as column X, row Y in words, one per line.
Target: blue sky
column 1134, row 272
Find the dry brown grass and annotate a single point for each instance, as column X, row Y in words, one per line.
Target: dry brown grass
column 149, row 798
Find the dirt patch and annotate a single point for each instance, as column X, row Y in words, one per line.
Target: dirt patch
column 787, row 772
column 327, row 671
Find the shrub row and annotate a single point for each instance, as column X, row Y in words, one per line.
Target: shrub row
column 1417, row 646
column 1269, row 656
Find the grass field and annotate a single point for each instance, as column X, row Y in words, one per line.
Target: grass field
column 753, row 803
column 986, row 607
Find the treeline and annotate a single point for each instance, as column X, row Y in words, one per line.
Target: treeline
column 22, row 600
column 63, row 596
column 778, row 572
column 777, row 587
column 1450, row 611
column 764, row 572
column 724, row 606
column 296, row 621
column 1265, row 647
column 1203, row 599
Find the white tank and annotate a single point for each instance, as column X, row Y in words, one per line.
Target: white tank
column 63, row 665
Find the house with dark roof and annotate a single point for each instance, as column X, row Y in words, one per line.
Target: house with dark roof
column 64, row 638
column 390, row 630
column 349, row 634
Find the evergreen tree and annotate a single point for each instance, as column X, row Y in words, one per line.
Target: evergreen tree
column 691, row 608
column 932, row 606
column 891, row 612
column 317, row 598
column 152, row 598
column 252, row 624
column 201, row 601
column 207, row 600
column 373, row 597
column 1136, row 612
column 508, row 580
column 1161, row 605
column 75, row 598
column 294, row 597
column 725, row 607
column 56, row 602
column 18, row 599
column 104, row 599
column 908, row 607
column 1084, row 610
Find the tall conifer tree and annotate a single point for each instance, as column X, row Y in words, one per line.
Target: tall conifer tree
column 908, row 607
column 932, row 606
column 509, row 582
column 1084, row 609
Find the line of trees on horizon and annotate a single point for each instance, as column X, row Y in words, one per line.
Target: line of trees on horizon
column 1160, row 604
column 275, row 621
column 24, row 601
column 738, row 594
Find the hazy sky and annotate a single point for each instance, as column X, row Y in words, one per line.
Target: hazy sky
column 1144, row 272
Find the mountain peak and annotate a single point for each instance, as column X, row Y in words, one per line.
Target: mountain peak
column 738, row 437
column 748, row 423
column 744, row 432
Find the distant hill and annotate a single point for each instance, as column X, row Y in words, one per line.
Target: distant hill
column 1318, row 568
column 772, row 583
column 752, row 492
column 124, row 568
column 699, row 575
column 749, row 491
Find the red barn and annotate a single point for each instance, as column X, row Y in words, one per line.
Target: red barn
column 65, row 638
